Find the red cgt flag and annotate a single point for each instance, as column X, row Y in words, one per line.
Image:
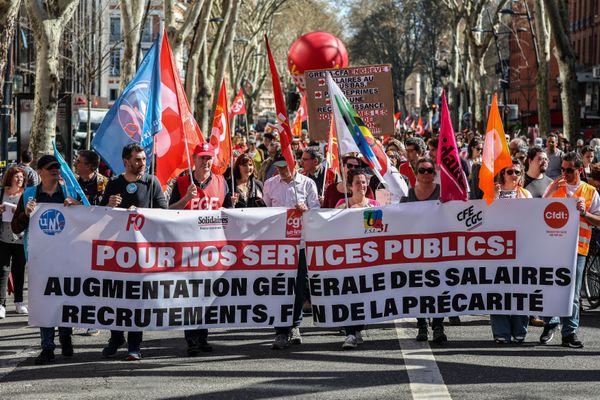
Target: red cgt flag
column 220, row 134
column 238, row 107
column 180, row 129
column 283, row 124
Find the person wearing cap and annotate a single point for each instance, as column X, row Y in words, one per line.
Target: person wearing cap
column 49, row 190
column 208, row 191
column 291, row 190
column 133, row 188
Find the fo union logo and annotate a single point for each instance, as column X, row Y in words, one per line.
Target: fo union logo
column 52, row 222
column 293, row 224
column 556, row 215
column 373, row 221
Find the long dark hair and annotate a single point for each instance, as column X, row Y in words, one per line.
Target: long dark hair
column 243, row 159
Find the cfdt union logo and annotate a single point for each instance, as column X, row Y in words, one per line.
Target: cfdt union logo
column 373, row 221
column 52, row 222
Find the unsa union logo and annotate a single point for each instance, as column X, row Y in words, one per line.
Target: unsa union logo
column 373, row 221
column 52, row 222
column 556, row 215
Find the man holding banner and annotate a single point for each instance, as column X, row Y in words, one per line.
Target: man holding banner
column 292, row 190
column 569, row 184
column 207, row 192
column 133, row 188
column 48, row 191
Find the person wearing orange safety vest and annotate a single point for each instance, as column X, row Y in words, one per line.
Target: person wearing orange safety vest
column 208, row 191
column 570, row 185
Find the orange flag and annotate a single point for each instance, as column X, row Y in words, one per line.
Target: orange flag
column 220, row 135
column 495, row 153
column 419, row 130
column 300, row 116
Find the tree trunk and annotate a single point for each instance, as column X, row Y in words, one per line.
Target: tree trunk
column 227, row 47
column 8, row 15
column 47, row 25
column 558, row 16
column 541, row 79
column 132, row 14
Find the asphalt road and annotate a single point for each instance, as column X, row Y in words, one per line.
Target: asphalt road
column 390, row 364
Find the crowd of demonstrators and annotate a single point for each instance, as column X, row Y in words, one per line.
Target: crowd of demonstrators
column 49, row 190
column 261, row 178
column 131, row 189
column 12, row 252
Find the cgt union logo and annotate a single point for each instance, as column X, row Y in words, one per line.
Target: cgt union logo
column 470, row 217
column 52, row 222
column 373, row 221
column 293, row 224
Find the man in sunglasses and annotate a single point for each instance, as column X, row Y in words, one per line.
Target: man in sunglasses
column 570, row 185
column 48, row 191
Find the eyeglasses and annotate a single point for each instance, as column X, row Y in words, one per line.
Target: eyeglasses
column 511, row 172
column 351, row 166
column 423, row 171
column 568, row 170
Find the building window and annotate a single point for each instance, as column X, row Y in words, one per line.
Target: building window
column 115, row 29
column 115, row 62
column 113, row 94
column 147, row 32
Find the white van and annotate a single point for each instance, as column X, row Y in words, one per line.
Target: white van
column 97, row 115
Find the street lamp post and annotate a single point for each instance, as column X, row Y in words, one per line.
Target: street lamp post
column 527, row 14
column 6, row 110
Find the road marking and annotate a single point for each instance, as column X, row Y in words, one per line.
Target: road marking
column 426, row 381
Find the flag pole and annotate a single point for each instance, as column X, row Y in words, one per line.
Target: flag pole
column 187, row 153
column 152, row 168
column 341, row 162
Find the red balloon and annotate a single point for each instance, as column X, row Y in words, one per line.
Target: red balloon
column 315, row 50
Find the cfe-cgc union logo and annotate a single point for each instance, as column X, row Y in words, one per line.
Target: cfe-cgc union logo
column 293, row 224
column 470, row 217
column 52, row 222
column 373, row 221
column 556, row 215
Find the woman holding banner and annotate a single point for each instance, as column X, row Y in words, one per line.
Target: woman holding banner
column 358, row 183
column 426, row 189
column 12, row 252
column 510, row 186
column 335, row 191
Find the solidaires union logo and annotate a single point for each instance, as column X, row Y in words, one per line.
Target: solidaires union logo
column 373, row 221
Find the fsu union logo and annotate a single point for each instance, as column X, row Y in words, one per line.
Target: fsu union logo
column 52, row 222
column 293, row 224
column 373, row 221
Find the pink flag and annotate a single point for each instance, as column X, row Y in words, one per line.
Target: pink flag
column 453, row 181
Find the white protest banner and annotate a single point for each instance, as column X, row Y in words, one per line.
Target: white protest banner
column 154, row 269
column 428, row 259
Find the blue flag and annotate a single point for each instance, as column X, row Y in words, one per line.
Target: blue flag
column 135, row 117
column 71, row 185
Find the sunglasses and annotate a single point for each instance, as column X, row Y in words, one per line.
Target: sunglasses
column 568, row 170
column 351, row 166
column 512, row 172
column 423, row 171
column 479, row 148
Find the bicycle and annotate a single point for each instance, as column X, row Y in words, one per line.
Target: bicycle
column 591, row 273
